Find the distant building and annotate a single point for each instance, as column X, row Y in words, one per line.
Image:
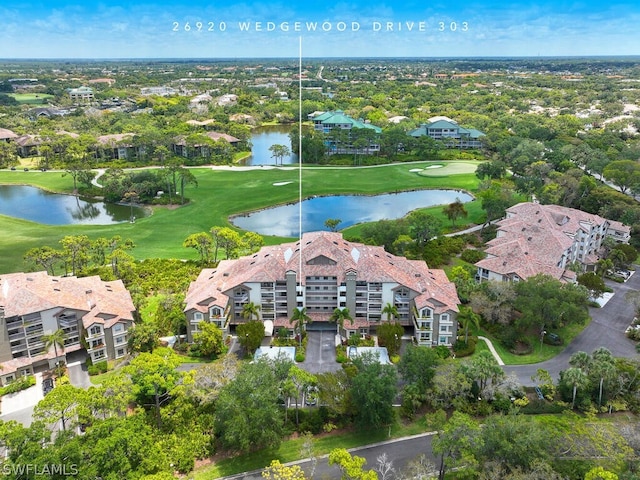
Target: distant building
column 227, row 100
column 48, row 112
column 340, row 136
column 159, row 91
column 7, row 135
column 448, row 132
column 119, row 146
column 93, row 314
column 335, row 274
column 181, row 147
column 546, row 239
column 81, row 94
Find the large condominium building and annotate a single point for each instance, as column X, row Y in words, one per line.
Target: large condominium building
column 546, row 239
column 448, row 132
column 344, row 134
column 322, row 272
column 93, row 314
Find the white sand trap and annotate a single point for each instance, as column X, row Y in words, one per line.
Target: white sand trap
column 434, row 166
column 279, row 184
column 415, row 170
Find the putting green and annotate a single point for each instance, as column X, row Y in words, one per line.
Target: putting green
column 444, row 169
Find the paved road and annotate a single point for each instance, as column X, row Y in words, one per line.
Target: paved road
column 605, row 330
column 400, row 451
column 321, row 352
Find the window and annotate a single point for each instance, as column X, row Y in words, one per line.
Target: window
column 444, row 317
column 444, row 340
column 118, row 327
column 95, row 330
column 120, row 352
column 119, row 340
column 99, row 355
column 216, row 312
column 426, row 313
column 444, row 328
column 197, row 316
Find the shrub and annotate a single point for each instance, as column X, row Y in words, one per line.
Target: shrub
column 300, row 356
column 536, row 407
column 471, row 255
column 98, row 368
column 464, row 349
column 442, row 351
column 18, row 385
column 283, row 333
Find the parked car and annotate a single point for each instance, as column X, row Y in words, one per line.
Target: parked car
column 553, row 339
column 47, row 385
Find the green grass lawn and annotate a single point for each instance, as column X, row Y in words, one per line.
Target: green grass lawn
column 218, row 195
column 31, row 98
column 442, row 169
column 540, row 353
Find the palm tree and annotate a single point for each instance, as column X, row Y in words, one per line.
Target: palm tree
column 467, row 319
column 250, row 310
column 339, row 315
column 577, row 379
column 55, row 340
column 581, row 360
column 391, row 311
column 299, row 318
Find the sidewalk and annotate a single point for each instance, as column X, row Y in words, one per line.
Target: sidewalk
column 492, row 350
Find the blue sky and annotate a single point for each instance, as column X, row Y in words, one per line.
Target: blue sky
column 215, row 29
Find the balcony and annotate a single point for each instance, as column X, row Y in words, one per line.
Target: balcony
column 16, row 336
column 95, row 348
column 34, row 332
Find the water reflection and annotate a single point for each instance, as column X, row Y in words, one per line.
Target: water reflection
column 264, row 137
column 36, row 205
column 283, row 221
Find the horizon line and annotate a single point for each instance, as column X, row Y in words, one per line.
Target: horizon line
column 399, row 57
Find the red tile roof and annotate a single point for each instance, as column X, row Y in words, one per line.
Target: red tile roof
column 372, row 264
column 102, row 302
column 533, row 238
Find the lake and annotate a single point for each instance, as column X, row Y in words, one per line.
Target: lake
column 262, row 138
column 351, row 209
column 36, row 205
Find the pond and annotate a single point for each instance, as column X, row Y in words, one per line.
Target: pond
column 351, row 209
column 262, row 138
column 36, row 205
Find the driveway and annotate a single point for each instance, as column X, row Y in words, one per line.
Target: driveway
column 321, row 352
column 606, row 329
